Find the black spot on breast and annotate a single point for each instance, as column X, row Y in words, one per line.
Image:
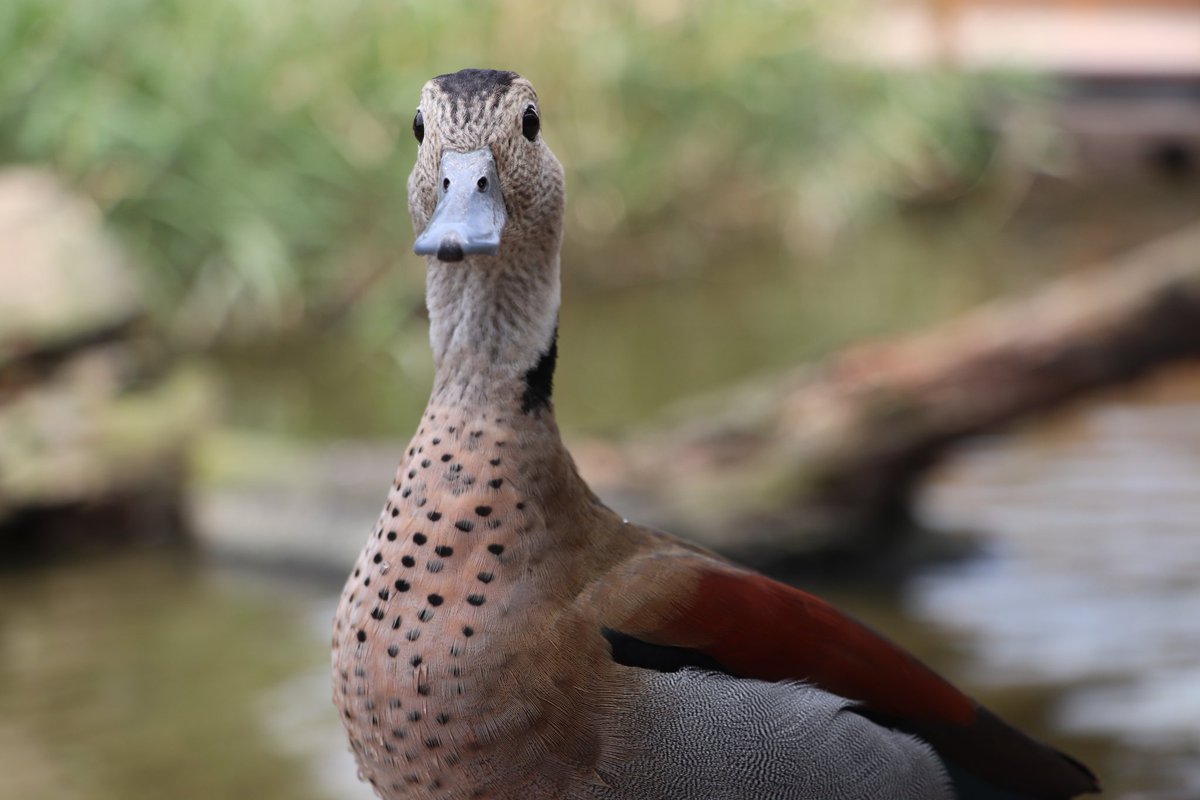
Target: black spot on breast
column 434, row 516
column 391, row 536
column 420, row 538
column 468, row 631
column 435, row 600
column 378, row 557
column 495, row 549
column 425, row 615
column 483, row 511
column 361, row 635
column 408, row 561
column 485, row 577
column 444, row 551
column 393, row 650
column 416, row 661
column 384, row 594
column 425, row 463
column 476, row 599
column 377, row 613
column 446, row 458
column 402, row 586
column 465, row 525
column 495, row 483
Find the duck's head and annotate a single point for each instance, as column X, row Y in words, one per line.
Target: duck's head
column 484, row 183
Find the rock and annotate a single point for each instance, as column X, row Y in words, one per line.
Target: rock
column 61, row 278
column 94, row 418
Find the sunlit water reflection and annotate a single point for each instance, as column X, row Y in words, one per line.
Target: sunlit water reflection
column 1093, row 577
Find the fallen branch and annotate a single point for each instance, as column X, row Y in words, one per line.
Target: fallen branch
column 829, row 456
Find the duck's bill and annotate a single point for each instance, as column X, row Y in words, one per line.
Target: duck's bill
column 470, row 214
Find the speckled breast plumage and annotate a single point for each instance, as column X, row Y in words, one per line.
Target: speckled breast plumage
column 414, row 666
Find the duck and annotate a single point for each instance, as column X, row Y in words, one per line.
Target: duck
column 505, row 634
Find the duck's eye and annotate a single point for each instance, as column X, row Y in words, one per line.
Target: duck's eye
column 419, row 126
column 530, row 124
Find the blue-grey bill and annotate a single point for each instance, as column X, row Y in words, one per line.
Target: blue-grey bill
column 470, row 213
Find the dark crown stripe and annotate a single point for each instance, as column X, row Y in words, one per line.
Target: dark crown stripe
column 469, row 83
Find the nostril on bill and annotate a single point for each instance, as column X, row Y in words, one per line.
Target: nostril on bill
column 482, row 184
column 445, row 184
column 450, row 250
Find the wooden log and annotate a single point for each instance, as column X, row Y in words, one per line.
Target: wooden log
column 828, row 456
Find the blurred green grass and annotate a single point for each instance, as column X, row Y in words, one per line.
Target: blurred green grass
column 253, row 155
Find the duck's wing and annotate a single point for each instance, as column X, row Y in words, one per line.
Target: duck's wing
column 674, row 608
column 708, row 735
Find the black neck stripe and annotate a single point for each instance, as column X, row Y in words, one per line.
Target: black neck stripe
column 539, row 380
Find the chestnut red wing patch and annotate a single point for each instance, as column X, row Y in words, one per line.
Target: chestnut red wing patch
column 754, row 627
column 759, row 628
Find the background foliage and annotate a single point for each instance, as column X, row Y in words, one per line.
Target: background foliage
column 254, row 154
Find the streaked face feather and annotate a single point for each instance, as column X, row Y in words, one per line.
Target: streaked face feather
column 486, row 110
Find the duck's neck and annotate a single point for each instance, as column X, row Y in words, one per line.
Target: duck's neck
column 493, row 327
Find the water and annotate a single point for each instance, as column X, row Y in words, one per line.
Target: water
column 1092, row 581
column 146, row 677
column 163, row 676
